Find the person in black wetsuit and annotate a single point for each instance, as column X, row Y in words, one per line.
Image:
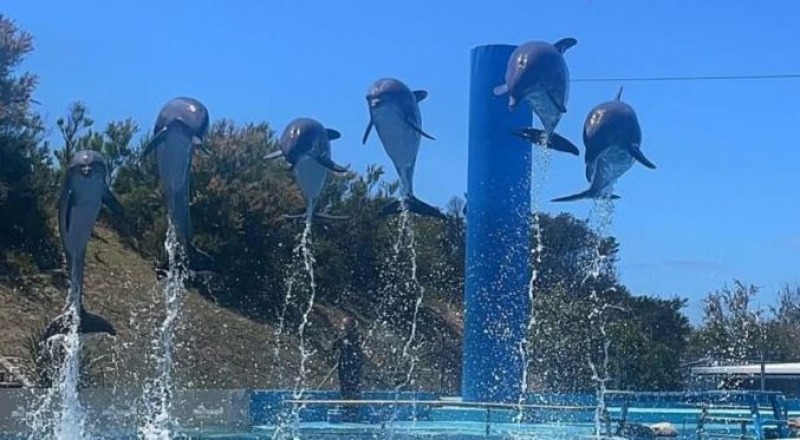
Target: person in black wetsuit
column 351, row 365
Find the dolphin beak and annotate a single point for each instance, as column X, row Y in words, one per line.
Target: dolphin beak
column 86, row 170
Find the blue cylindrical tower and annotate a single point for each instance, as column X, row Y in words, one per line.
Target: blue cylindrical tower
column 496, row 299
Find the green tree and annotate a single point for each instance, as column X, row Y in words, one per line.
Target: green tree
column 732, row 330
column 26, row 180
column 646, row 336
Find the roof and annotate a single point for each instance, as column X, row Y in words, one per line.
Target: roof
column 787, row 369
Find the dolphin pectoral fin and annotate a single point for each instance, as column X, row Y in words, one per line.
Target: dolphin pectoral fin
column 91, row 323
column 555, row 141
column 367, row 131
column 414, row 205
column 157, row 139
column 637, row 154
column 331, row 165
column 565, row 43
column 419, row 130
column 274, row 155
column 500, row 90
column 559, row 105
column 332, row 134
column 419, row 95
column 113, row 204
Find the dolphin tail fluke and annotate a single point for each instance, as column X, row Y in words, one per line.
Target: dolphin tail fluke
column 317, row 216
column 555, row 141
column 414, row 205
column 329, row 217
column 200, row 261
column 91, row 323
column 590, row 193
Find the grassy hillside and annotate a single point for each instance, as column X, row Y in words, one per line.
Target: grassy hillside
column 214, row 346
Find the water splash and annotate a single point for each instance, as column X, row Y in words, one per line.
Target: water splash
column 302, row 253
column 59, row 414
column 308, row 262
column 602, row 214
column 160, row 425
column 541, row 164
column 413, row 282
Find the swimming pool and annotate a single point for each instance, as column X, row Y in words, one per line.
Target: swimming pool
column 258, row 414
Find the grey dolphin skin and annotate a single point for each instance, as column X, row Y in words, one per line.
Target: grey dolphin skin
column 537, row 73
column 613, row 139
column 394, row 112
column 85, row 190
column 306, row 145
column 180, row 128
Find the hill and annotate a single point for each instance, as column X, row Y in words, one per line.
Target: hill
column 214, row 347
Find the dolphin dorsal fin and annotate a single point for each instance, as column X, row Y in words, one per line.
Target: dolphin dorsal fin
column 565, row 43
column 420, row 95
column 619, row 94
column 332, row 134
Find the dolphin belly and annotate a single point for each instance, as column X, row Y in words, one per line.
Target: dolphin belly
column 612, row 163
column 174, row 157
column 401, row 143
column 87, row 199
column 543, row 106
column 311, row 178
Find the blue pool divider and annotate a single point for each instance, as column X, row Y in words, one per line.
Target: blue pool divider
column 266, row 406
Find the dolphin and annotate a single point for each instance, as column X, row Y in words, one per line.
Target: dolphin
column 537, row 73
column 613, row 139
column 180, row 128
column 306, row 145
column 394, row 112
column 85, row 190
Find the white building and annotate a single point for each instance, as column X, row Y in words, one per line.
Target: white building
column 784, row 377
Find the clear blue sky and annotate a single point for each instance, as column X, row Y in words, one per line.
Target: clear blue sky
column 722, row 203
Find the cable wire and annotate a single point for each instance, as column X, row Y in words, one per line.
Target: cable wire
column 693, row 78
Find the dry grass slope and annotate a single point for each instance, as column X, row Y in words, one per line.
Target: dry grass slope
column 215, row 347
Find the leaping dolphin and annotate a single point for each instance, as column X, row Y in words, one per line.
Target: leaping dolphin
column 537, row 73
column 613, row 139
column 180, row 128
column 84, row 191
column 394, row 112
column 306, row 145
